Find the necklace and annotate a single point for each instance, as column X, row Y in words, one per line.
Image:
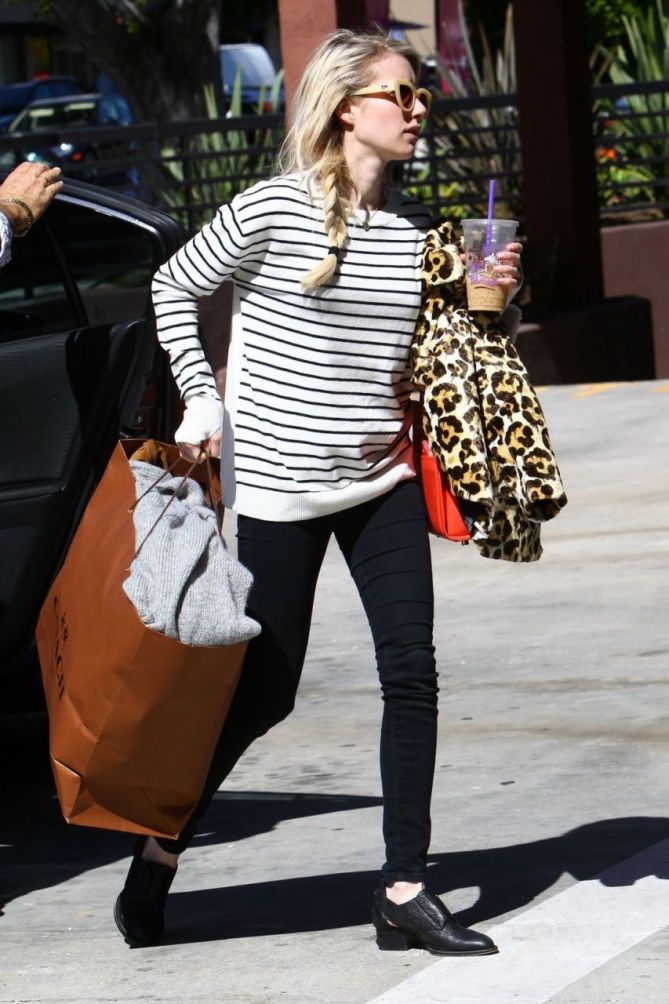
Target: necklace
column 367, row 222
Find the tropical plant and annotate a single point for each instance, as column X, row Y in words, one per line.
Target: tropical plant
column 214, row 165
column 603, row 20
column 473, row 144
column 633, row 152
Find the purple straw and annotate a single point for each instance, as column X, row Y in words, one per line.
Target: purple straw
column 491, row 212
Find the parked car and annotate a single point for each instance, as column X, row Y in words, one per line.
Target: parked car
column 254, row 65
column 15, row 97
column 37, row 126
column 79, row 365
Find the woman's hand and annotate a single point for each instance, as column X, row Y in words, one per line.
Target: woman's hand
column 197, row 453
column 202, row 422
column 509, row 272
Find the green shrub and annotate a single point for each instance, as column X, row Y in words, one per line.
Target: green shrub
column 214, row 166
column 480, row 141
column 634, row 133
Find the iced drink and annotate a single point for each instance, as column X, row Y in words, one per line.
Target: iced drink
column 483, row 239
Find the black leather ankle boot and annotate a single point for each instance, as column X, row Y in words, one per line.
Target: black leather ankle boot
column 424, row 922
column 139, row 909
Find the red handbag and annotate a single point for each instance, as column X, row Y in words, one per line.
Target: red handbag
column 443, row 513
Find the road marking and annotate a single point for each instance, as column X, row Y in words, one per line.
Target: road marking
column 588, row 389
column 548, row 947
column 663, row 389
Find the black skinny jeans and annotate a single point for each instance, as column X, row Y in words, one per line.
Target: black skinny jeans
column 385, row 545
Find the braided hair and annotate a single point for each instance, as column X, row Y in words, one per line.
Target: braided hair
column 313, row 147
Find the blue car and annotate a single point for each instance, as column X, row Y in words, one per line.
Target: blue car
column 15, row 97
column 257, row 75
column 42, row 128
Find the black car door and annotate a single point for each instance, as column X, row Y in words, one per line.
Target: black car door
column 78, row 367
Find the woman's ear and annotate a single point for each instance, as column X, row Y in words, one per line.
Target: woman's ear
column 344, row 112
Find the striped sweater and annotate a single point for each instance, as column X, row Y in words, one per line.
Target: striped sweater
column 315, row 416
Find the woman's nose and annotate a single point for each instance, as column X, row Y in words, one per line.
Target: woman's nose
column 419, row 110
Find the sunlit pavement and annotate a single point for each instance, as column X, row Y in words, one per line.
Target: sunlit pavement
column 549, row 826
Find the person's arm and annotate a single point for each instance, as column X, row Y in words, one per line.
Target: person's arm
column 5, row 240
column 196, row 270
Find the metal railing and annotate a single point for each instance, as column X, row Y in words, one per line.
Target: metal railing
column 466, row 142
column 190, row 168
column 631, row 130
column 471, row 140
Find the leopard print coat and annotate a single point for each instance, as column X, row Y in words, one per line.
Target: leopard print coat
column 481, row 415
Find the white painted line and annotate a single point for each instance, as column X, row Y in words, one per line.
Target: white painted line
column 548, row 947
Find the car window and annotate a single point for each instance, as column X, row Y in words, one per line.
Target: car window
column 110, row 260
column 51, row 117
column 33, row 297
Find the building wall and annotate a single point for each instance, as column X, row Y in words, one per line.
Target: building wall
column 25, row 43
column 631, row 255
column 418, row 12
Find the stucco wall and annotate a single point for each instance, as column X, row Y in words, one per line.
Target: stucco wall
column 417, row 12
column 635, row 264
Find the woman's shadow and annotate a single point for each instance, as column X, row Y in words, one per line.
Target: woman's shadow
column 40, row 850
column 508, row 878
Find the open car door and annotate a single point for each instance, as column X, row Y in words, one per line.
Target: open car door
column 78, row 367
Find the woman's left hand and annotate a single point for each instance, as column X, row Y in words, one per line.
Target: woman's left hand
column 510, row 269
column 509, row 272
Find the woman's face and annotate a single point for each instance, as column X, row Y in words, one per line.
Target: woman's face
column 376, row 122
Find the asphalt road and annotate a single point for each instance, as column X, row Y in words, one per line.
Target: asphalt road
column 550, row 806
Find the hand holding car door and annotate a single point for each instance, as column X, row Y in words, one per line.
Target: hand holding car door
column 26, row 194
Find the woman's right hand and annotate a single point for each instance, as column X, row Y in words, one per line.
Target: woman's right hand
column 201, row 421
column 193, row 452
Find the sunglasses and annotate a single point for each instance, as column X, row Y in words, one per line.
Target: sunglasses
column 403, row 91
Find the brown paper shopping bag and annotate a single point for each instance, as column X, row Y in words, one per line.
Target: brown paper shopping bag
column 134, row 716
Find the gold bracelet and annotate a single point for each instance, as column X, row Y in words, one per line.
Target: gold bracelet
column 28, row 212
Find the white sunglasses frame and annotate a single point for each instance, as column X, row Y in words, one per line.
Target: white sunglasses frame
column 392, row 88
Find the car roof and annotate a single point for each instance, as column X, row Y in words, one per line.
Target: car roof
column 253, row 61
column 49, row 78
column 64, row 99
column 15, row 97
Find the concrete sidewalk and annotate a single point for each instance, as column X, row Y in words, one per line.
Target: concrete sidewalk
column 550, row 826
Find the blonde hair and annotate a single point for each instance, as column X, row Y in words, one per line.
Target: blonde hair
column 313, row 146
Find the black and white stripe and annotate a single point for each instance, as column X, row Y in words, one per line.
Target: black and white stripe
column 317, row 382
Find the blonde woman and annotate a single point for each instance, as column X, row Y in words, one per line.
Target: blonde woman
column 316, row 442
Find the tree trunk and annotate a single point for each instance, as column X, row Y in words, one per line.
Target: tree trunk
column 160, row 55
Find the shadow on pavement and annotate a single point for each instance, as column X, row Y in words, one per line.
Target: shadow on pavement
column 508, row 877
column 40, row 850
